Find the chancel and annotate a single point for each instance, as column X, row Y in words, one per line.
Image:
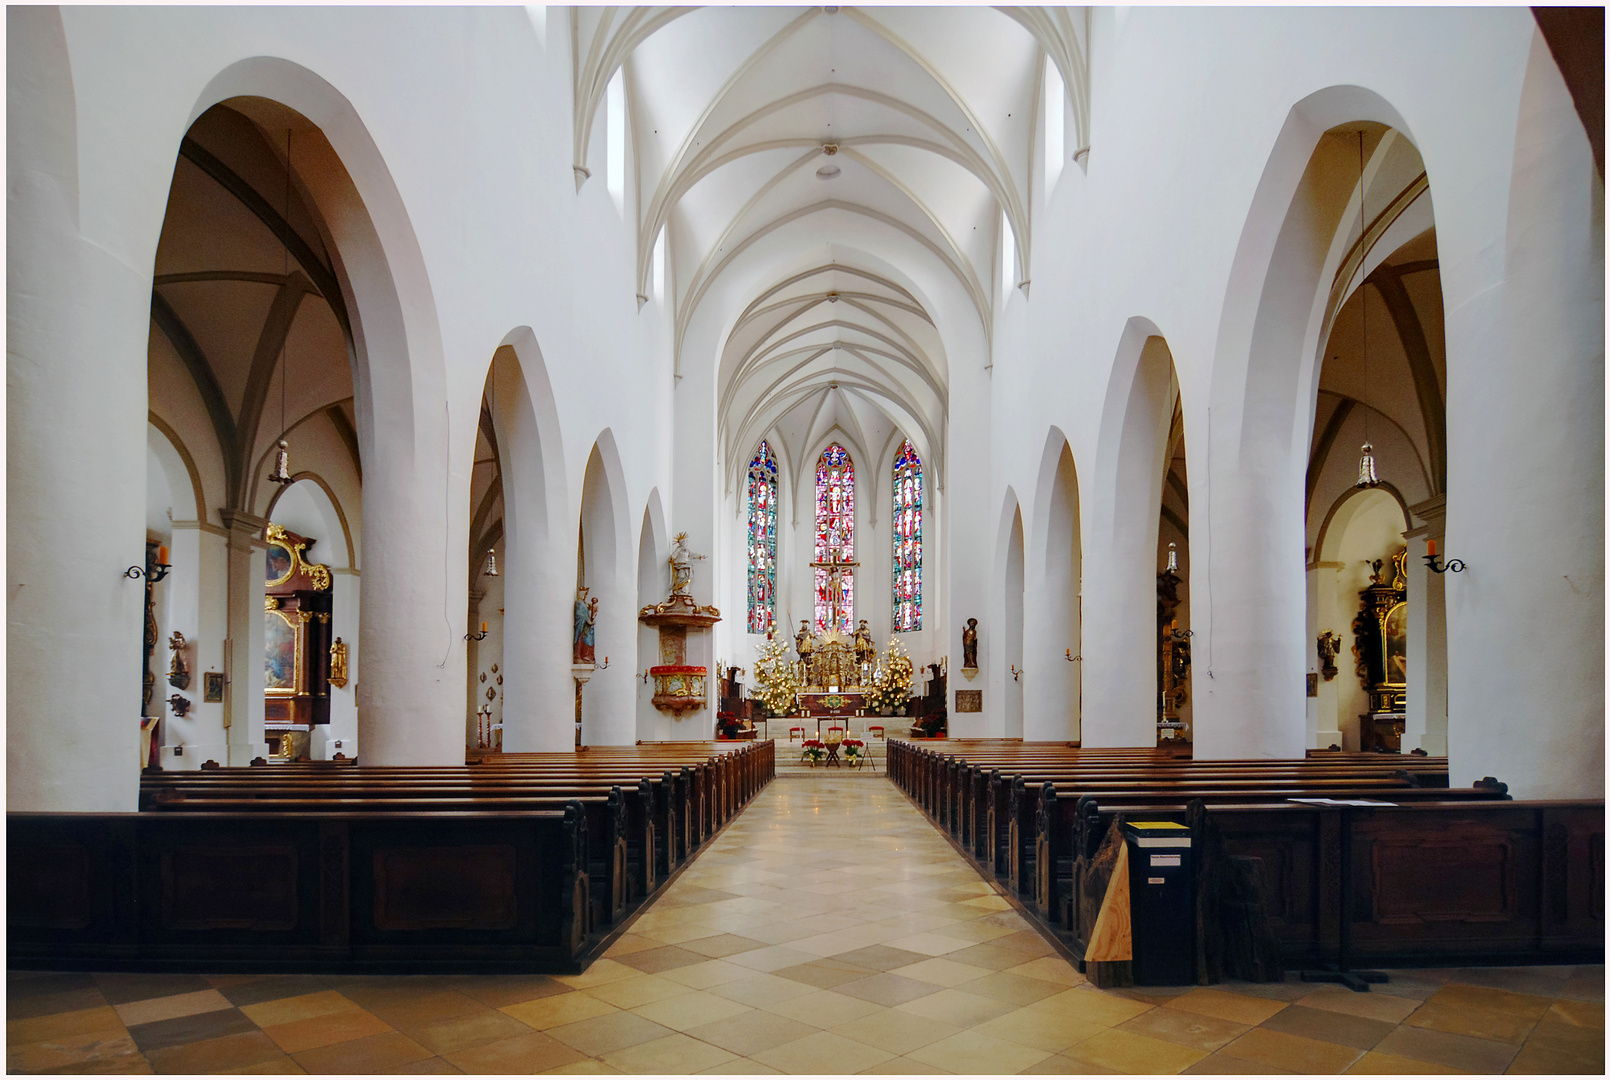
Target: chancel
column 805, row 538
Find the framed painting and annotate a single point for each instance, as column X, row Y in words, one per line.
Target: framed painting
column 280, row 563
column 282, row 653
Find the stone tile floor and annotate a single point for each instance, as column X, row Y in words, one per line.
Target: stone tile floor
column 830, row 929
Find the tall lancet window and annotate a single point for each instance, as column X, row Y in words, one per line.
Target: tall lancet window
column 762, row 539
column 835, row 540
column 907, row 539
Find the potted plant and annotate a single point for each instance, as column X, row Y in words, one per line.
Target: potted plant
column 814, row 751
column 852, row 750
column 728, row 725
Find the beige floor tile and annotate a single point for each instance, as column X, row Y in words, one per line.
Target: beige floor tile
column 1534, row 1059
column 974, row 1052
column 690, row 1010
column 822, row 1052
column 1225, row 1065
column 605, row 1034
column 1185, row 1028
column 529, row 1053
column 704, row 976
column 1091, row 1007
column 268, row 1014
column 902, row 1066
column 749, row 1033
column 741, row 1067
column 216, row 1055
column 1051, row 969
column 602, row 971
column 1039, row 1030
column 1375, row 1063
column 1135, row 1053
column 548, row 1012
column 1237, row 1008
column 74, row 1052
column 62, row 1025
column 1013, row 989
column 1481, row 997
column 1063, row 1065
column 1550, row 1034
column 771, row 958
column 464, row 1032
column 282, row 1066
column 383, row 1053
column 957, row 1007
column 941, row 972
column 316, row 1031
column 931, row 943
column 167, row 1008
column 1580, row 1013
column 631, row 942
column 1292, row 1051
column 584, row 1067
column 1375, row 1006
column 1479, row 1023
column 1442, row 1048
column 627, row 993
column 823, row 1009
column 896, row 1031
column 761, row 988
column 675, row 1053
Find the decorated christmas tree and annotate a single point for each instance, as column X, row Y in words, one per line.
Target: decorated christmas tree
column 892, row 679
column 777, row 681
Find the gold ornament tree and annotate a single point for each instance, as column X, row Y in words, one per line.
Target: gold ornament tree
column 892, row 679
column 778, row 682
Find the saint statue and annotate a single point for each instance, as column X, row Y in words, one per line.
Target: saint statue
column 805, row 645
column 586, row 615
column 866, row 650
column 681, row 565
column 970, row 644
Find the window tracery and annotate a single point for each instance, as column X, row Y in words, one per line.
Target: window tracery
column 907, row 521
column 835, row 539
column 762, row 539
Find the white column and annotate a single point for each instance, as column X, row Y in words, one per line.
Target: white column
column 1249, row 626
column 1526, row 391
column 343, row 726
column 1324, row 727
column 197, row 590
column 244, row 676
column 77, row 323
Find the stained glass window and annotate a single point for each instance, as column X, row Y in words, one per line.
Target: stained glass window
column 762, row 539
column 907, row 520
column 835, row 539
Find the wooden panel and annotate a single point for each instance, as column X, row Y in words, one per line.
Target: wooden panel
column 429, row 888
column 48, row 886
column 1449, row 877
column 244, row 888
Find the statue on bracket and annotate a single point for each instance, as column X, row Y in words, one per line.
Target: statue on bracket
column 586, row 614
column 1328, row 645
column 681, row 565
column 179, row 671
column 970, row 647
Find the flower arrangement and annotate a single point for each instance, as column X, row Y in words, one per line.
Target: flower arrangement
column 814, row 749
column 853, row 749
column 728, row 725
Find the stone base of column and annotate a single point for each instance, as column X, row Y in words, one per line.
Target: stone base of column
column 1325, row 738
column 242, row 753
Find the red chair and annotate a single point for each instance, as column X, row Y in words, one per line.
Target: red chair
column 794, row 729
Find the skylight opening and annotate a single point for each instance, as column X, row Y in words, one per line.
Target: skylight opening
column 1055, row 125
column 615, row 144
column 1008, row 259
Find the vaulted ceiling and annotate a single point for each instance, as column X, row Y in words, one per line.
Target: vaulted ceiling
column 821, row 174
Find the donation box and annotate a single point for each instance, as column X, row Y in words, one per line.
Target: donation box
column 1162, row 903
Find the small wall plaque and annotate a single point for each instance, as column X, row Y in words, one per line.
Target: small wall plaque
column 1313, row 684
column 213, row 686
column 969, row 701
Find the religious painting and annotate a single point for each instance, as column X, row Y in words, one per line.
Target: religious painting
column 281, row 564
column 762, row 539
column 282, row 648
column 1396, row 627
column 969, row 701
column 907, row 519
column 835, row 540
column 213, row 686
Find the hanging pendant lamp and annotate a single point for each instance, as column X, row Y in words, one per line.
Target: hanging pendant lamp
column 1367, row 476
column 282, row 457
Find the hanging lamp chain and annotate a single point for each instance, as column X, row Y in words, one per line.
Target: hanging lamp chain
column 282, row 457
column 1367, row 476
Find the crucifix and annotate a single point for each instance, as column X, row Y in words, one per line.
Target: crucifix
column 838, row 611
